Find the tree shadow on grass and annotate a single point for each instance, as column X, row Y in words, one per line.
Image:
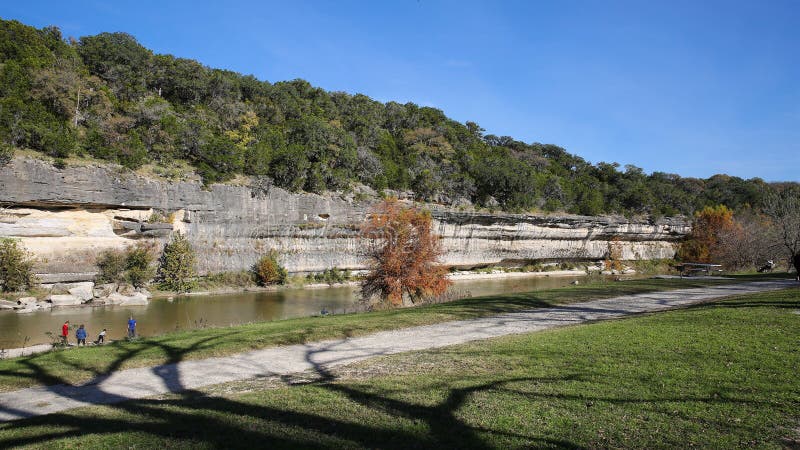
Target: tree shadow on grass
column 191, row 417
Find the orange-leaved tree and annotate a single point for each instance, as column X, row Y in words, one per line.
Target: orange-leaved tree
column 703, row 244
column 404, row 254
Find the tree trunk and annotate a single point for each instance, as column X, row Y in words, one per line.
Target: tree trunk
column 796, row 262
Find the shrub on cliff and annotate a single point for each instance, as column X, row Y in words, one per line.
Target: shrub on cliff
column 177, row 265
column 6, row 154
column 269, row 271
column 139, row 265
column 134, row 265
column 16, row 266
column 111, row 266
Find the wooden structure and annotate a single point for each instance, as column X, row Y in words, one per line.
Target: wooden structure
column 690, row 269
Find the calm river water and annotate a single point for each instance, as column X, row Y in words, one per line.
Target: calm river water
column 187, row 312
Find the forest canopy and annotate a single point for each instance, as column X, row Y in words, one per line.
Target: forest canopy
column 108, row 97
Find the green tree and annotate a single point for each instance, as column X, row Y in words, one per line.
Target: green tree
column 6, row 153
column 118, row 59
column 289, row 167
column 177, row 265
column 111, row 264
column 139, row 268
column 16, row 266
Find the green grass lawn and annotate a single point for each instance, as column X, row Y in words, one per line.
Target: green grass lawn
column 717, row 375
column 82, row 364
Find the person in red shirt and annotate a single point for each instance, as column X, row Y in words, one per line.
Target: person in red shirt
column 65, row 332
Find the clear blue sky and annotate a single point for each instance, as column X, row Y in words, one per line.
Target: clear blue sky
column 688, row 87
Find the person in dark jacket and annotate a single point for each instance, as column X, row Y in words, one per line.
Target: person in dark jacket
column 80, row 334
column 796, row 262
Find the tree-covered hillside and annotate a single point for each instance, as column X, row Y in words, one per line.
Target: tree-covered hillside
column 109, row 97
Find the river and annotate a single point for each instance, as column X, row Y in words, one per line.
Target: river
column 187, row 312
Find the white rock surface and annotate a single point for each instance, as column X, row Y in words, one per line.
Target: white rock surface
column 83, row 291
column 64, row 300
column 115, row 298
column 104, row 290
column 137, row 299
column 126, row 289
column 5, row 304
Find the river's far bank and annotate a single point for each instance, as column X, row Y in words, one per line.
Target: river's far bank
column 499, row 274
column 453, row 276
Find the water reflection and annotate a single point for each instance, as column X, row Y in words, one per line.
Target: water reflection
column 188, row 312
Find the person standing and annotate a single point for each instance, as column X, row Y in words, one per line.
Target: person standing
column 65, row 332
column 101, row 338
column 80, row 335
column 131, row 327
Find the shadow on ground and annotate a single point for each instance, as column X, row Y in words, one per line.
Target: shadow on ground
column 194, row 418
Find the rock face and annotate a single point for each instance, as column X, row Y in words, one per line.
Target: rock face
column 115, row 298
column 66, row 217
column 84, row 291
column 64, row 300
column 5, row 304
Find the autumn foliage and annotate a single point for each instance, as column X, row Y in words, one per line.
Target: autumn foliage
column 404, row 254
column 268, row 271
column 710, row 224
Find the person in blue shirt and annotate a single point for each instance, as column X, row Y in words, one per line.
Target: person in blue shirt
column 80, row 334
column 131, row 327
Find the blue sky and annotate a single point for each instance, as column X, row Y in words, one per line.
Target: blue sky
column 688, row 87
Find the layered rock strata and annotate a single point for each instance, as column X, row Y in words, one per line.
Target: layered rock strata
column 66, row 217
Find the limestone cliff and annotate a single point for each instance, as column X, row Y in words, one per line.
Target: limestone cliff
column 67, row 216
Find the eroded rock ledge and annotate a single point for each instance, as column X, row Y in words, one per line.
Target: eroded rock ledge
column 67, row 216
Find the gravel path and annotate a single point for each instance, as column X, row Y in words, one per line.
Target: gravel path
column 150, row 381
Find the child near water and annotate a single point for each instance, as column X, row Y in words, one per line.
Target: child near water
column 65, row 332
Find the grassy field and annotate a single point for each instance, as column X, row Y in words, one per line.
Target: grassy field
column 718, row 375
column 82, row 364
